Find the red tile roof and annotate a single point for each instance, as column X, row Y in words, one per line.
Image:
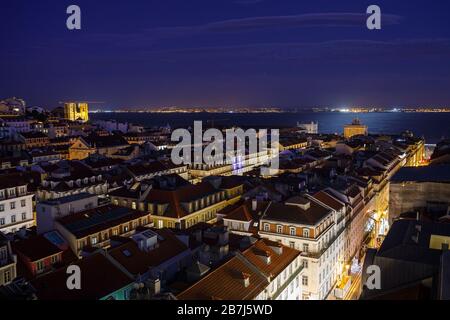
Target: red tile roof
column 278, row 262
column 136, row 261
column 36, row 248
column 226, row 283
column 329, row 200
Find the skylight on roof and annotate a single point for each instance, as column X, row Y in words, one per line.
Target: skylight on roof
column 127, row 253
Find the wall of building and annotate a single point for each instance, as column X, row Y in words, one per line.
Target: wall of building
column 21, row 216
column 322, row 262
column 411, row 196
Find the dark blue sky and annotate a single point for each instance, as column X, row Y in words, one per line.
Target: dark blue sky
column 226, row 52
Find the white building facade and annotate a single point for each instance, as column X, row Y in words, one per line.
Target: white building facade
column 318, row 234
column 16, row 206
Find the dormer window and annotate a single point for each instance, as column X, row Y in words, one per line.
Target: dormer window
column 306, row 233
column 279, row 229
column 292, row 231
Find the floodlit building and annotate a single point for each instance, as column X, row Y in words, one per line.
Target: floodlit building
column 310, row 128
column 106, row 145
column 355, row 128
column 76, row 111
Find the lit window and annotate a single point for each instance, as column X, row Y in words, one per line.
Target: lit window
column 305, row 264
column 306, row 247
column 305, row 280
column 7, row 277
column 40, row 266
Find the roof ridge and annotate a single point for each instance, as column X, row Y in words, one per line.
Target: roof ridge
column 244, row 259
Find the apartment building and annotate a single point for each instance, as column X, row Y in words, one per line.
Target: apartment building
column 48, row 211
column 95, row 227
column 37, row 255
column 357, row 218
column 172, row 205
column 34, row 139
column 68, row 178
column 148, row 170
column 243, row 217
column 16, row 204
column 106, row 145
column 307, row 224
column 238, row 164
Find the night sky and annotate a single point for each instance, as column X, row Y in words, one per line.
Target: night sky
column 285, row 53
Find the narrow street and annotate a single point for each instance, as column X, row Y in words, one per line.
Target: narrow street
column 355, row 289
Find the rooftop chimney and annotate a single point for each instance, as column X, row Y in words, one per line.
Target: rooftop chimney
column 245, row 277
column 254, row 204
column 154, row 285
column 278, row 248
column 265, row 255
